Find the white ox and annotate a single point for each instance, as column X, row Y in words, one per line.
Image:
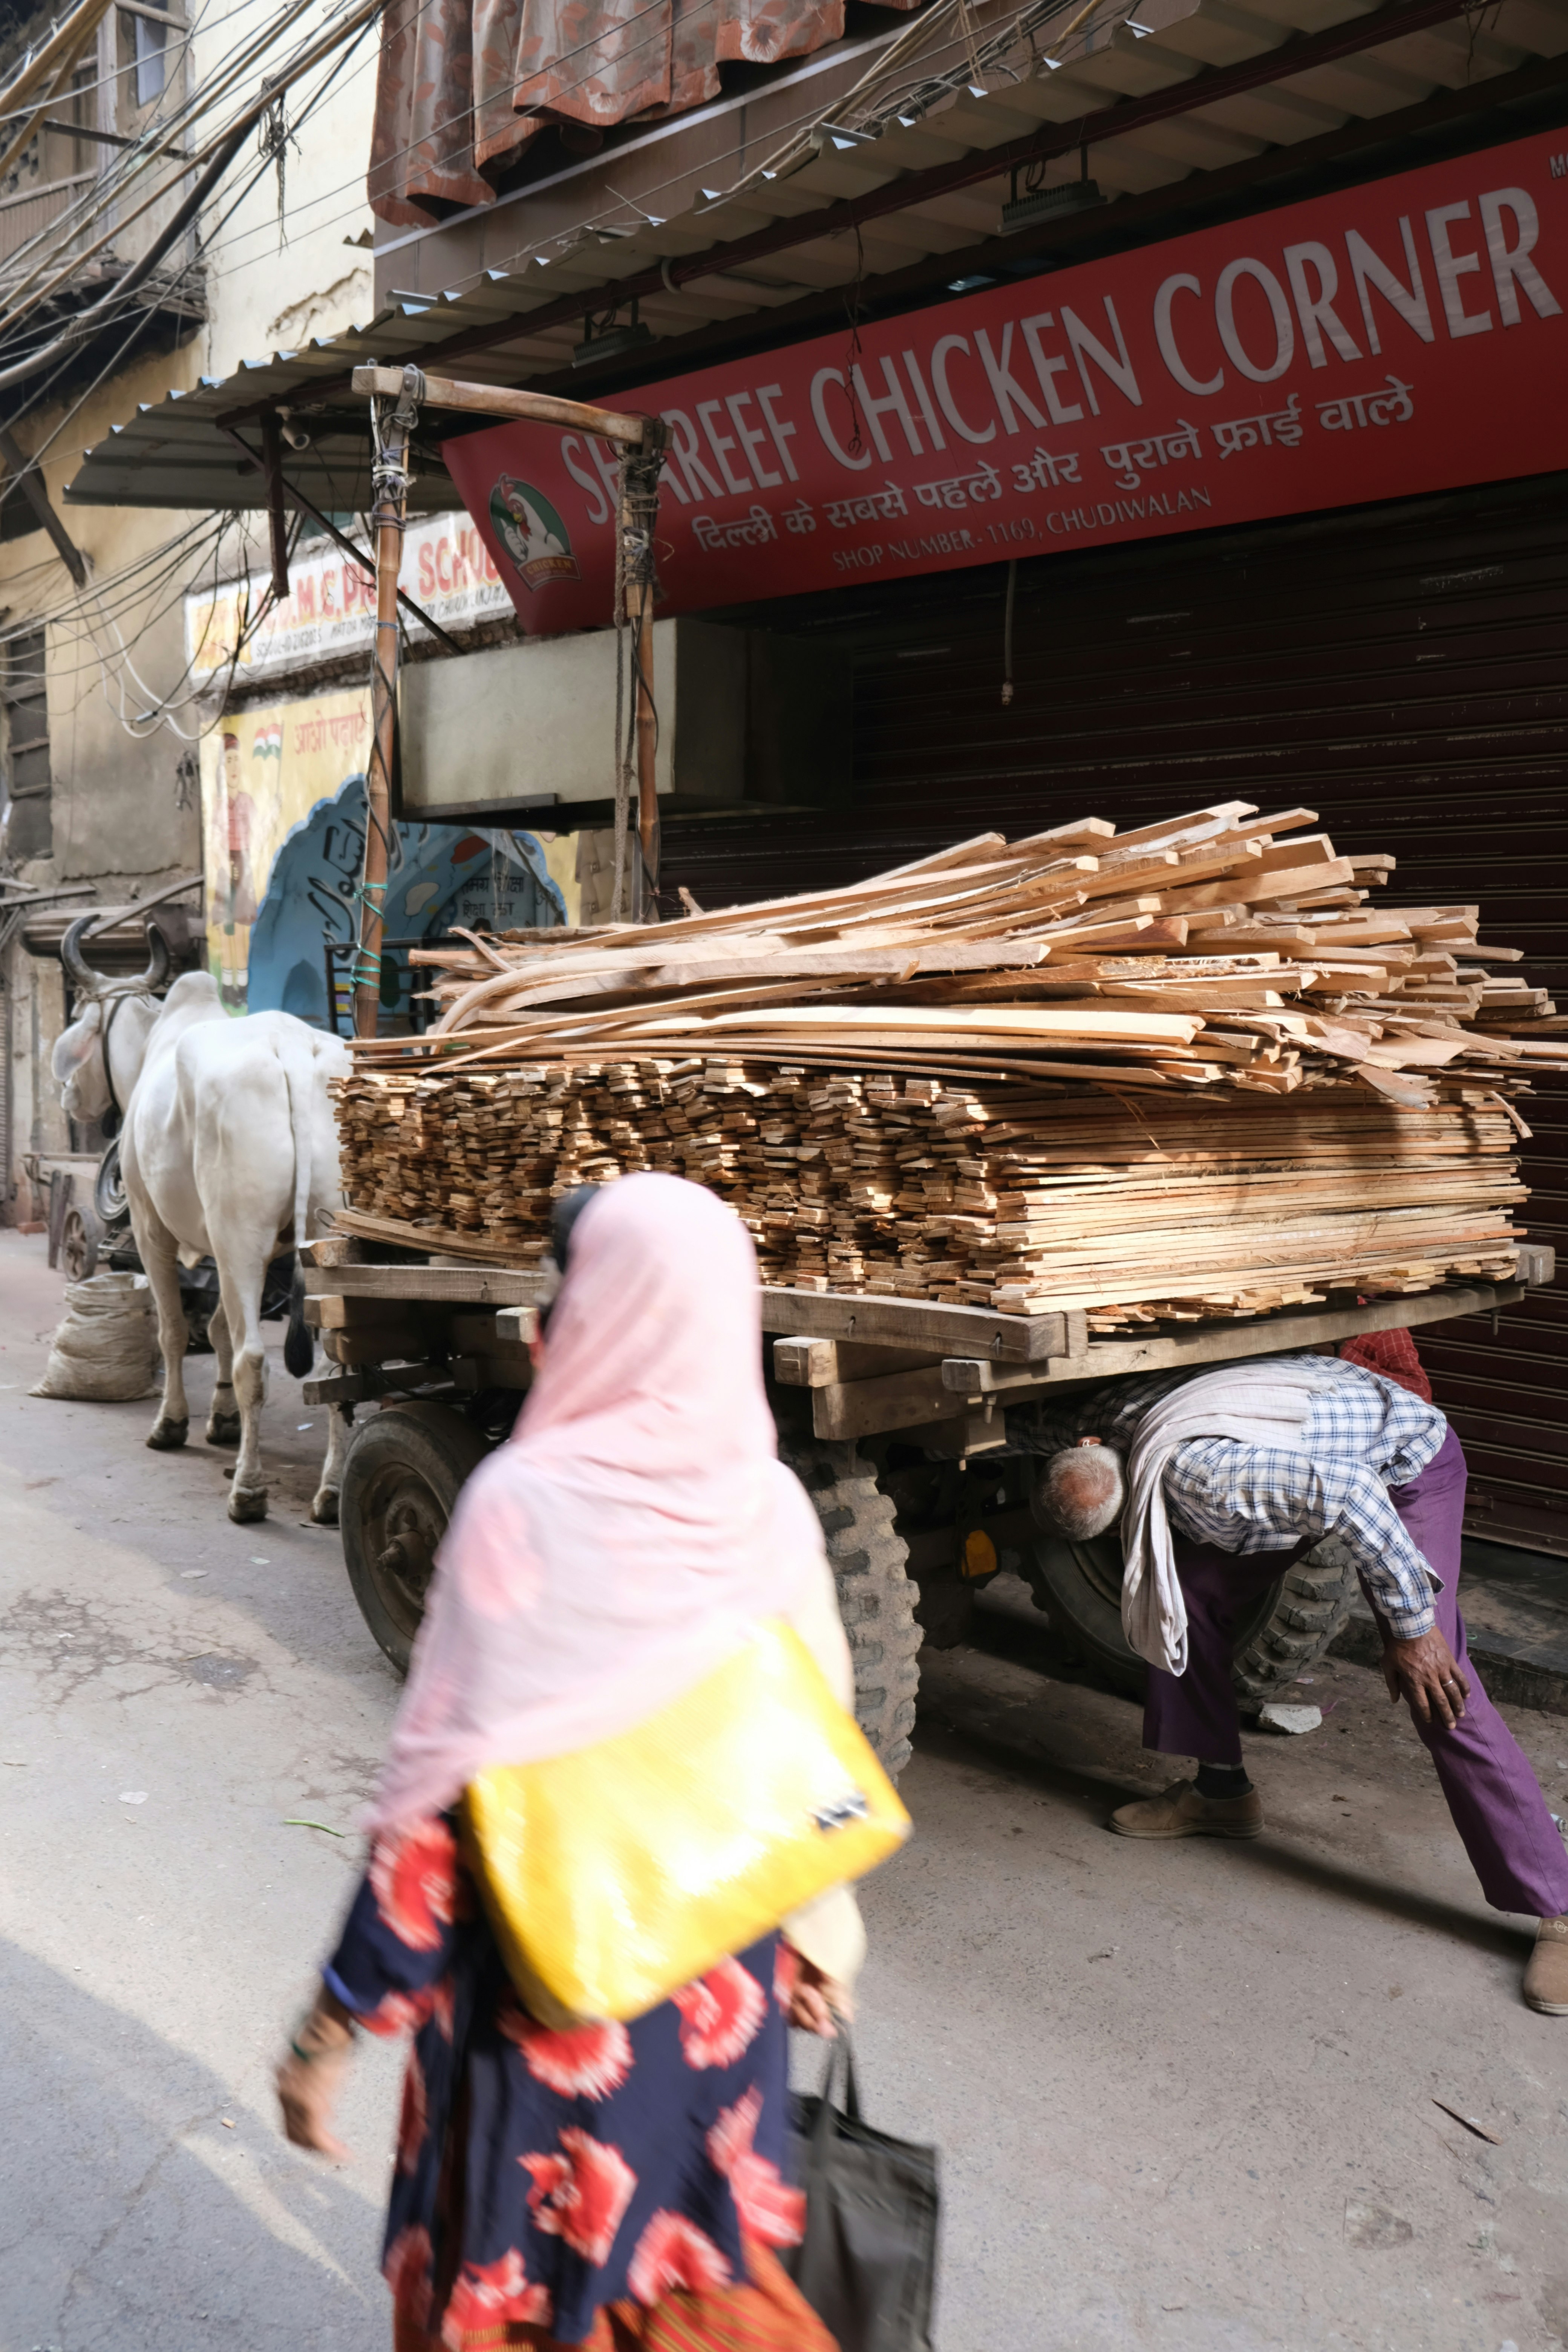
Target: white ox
column 228, row 1150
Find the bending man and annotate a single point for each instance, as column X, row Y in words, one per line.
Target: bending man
column 1221, row 1482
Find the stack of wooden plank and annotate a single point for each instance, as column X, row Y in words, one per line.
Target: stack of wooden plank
column 1189, row 1071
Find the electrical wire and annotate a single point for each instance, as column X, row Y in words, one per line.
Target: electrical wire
column 110, row 185
column 656, row 38
column 107, row 185
column 138, row 594
column 1020, row 26
column 132, row 591
column 103, row 82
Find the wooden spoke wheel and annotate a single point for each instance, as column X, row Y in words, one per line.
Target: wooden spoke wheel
column 81, row 1237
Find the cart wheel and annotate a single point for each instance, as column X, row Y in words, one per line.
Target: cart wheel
column 869, row 1561
column 108, row 1191
column 400, row 1486
column 1080, row 1585
column 80, row 1239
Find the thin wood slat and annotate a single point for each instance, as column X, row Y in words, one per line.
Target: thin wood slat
column 1188, row 1072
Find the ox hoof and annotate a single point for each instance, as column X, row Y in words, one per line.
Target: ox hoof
column 223, row 1429
column 246, row 1503
column 167, row 1436
column 324, row 1508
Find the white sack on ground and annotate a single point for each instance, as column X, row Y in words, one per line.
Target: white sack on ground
column 106, row 1350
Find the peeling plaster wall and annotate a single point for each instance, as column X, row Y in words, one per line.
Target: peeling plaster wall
column 125, row 798
column 273, row 291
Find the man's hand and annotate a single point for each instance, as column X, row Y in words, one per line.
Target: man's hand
column 1423, row 1673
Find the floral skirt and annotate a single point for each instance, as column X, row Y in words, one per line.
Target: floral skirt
column 549, row 2186
column 769, row 2315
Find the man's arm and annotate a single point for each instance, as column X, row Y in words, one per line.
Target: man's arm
column 1274, row 1492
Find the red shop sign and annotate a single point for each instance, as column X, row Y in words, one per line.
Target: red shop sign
column 1404, row 336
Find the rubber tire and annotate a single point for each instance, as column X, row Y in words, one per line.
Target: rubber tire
column 405, row 1466
column 876, row 1593
column 1310, row 1606
column 109, row 1198
column 1283, row 1636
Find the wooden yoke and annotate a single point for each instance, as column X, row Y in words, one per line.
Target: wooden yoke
column 411, row 391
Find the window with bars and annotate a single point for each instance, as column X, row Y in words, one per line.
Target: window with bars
column 29, row 831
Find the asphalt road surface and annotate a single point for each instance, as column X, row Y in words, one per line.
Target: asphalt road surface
column 1184, row 2095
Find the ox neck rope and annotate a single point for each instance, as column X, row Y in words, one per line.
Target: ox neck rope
column 113, row 1005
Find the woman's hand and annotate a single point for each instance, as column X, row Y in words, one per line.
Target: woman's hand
column 818, row 1999
column 311, row 2075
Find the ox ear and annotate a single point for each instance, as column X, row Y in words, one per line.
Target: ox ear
column 158, row 964
column 73, row 1045
column 78, row 971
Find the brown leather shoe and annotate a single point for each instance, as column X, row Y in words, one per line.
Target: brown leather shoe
column 1182, row 1812
column 1546, row 1978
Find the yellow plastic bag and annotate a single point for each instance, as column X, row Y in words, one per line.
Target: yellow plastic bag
column 617, row 1874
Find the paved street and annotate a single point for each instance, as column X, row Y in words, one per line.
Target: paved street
column 1184, row 2095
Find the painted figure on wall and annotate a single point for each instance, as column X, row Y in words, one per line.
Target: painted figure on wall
column 236, row 884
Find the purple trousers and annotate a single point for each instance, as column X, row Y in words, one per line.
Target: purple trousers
column 1493, row 1794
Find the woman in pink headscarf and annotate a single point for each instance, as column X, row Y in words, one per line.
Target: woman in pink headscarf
column 616, row 2185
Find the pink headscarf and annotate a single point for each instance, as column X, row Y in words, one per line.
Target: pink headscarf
column 614, row 1550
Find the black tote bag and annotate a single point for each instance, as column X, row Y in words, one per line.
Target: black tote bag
column 868, row 2262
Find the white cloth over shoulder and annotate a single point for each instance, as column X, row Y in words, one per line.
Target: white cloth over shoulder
column 1268, row 1405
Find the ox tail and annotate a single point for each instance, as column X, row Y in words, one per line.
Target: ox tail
column 298, row 1074
column 298, row 1339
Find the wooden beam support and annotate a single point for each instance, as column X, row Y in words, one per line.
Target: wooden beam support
column 159, row 897
column 915, row 1323
column 498, row 400
column 277, row 524
column 444, row 1285
column 29, row 480
column 297, row 497
column 899, row 1401
column 807, row 1363
column 1227, row 1343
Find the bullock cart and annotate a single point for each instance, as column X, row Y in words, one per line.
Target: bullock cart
column 894, row 1413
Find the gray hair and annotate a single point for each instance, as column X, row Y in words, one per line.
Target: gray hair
column 1081, row 1491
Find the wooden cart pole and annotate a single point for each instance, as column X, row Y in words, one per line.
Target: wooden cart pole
column 647, row 734
column 645, row 437
column 636, row 524
column 389, row 478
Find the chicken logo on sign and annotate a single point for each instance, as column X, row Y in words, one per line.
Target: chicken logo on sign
column 532, row 533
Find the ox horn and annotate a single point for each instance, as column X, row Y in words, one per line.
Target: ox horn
column 78, row 971
column 157, row 971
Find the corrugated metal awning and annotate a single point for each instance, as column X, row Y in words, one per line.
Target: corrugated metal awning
column 1178, row 103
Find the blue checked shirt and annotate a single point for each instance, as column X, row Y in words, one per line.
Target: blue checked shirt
column 1364, row 1435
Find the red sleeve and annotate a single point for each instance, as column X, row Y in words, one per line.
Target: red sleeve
column 1392, row 1353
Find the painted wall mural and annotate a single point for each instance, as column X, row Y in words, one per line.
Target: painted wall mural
column 283, row 819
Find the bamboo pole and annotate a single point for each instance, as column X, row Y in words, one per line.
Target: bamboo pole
column 647, row 742
column 410, row 388
column 388, row 518
column 636, row 525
